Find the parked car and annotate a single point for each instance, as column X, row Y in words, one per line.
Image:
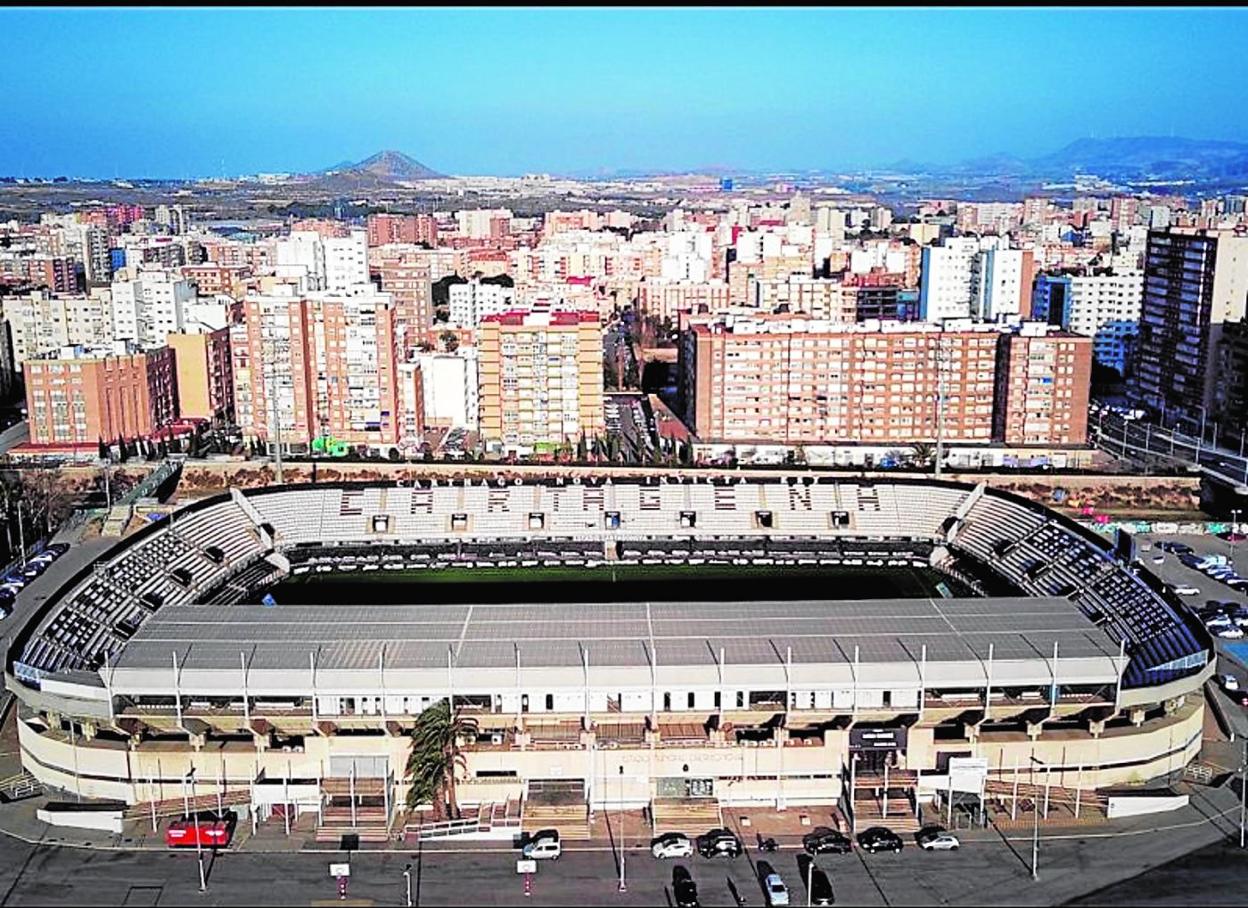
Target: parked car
column 1228, row 682
column 820, row 888
column 1187, row 591
column 672, row 845
column 684, row 888
column 1234, row 632
column 942, row 841
column 1159, row 559
column 719, row 843
column 877, row 838
column 824, row 840
column 544, row 846
column 777, row 892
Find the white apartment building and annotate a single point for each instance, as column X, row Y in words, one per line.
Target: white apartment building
column 999, row 279
column 945, row 287
column 150, row 307
column 39, row 323
column 302, row 252
column 450, row 388
column 346, row 260
column 473, row 301
column 1104, row 307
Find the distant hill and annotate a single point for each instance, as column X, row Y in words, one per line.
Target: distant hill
column 1149, row 157
column 1159, row 158
column 385, row 167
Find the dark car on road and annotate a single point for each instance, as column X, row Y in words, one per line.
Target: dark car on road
column 719, row 842
column 823, row 840
column 684, row 888
column 877, row 838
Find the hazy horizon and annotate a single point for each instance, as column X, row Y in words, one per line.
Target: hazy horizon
column 151, row 93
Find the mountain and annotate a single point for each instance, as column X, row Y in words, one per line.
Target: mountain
column 1148, row 157
column 1157, row 158
column 385, row 167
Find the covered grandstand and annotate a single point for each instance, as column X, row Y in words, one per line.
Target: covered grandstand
column 1069, row 649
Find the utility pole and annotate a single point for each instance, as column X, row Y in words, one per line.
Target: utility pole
column 1035, row 828
column 407, row 877
column 623, row 841
column 940, row 403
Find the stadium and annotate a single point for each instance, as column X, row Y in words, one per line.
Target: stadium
column 280, row 643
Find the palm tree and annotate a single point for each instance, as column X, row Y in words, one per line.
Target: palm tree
column 436, row 757
column 923, row 454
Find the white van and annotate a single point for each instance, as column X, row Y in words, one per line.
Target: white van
column 544, row 848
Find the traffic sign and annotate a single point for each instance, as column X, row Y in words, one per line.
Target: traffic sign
column 339, row 869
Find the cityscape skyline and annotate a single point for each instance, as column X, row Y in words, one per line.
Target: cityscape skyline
column 596, row 90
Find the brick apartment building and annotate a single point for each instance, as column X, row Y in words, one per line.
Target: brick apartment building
column 78, row 396
column 540, row 379
column 793, row 380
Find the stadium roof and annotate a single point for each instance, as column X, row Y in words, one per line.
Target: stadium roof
column 804, row 644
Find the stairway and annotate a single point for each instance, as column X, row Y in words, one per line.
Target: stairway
column 692, row 816
column 369, row 823
column 572, row 820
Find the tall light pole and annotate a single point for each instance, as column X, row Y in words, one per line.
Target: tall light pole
column 623, row 837
column 199, row 848
column 1243, row 795
column 1235, row 512
column 810, row 873
column 407, row 878
column 1035, row 828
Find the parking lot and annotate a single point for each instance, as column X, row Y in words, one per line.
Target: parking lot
column 628, row 417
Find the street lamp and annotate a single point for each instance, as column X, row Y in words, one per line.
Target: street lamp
column 623, row 838
column 1235, row 512
column 1035, row 829
column 407, row 878
column 199, row 848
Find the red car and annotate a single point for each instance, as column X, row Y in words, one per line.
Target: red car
column 212, row 833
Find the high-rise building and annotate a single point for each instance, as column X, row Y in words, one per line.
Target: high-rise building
column 346, row 260
column 150, row 307
column 40, row 323
column 1195, row 282
column 475, row 300
column 540, row 380
column 1104, row 306
column 320, row 365
column 406, row 273
column 79, row 396
column 1043, row 381
column 945, row 289
column 1001, row 281
column 205, row 376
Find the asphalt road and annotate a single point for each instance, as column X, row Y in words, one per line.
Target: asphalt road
column 987, row 869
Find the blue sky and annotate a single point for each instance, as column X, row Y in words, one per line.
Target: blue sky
column 147, row 92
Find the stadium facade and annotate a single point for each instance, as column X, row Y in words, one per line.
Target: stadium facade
column 147, row 665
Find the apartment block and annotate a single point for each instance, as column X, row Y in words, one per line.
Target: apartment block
column 667, row 299
column 1195, row 283
column 384, row 229
column 1043, row 382
column 540, row 379
column 1104, row 306
column 407, row 273
column 204, row 375
column 788, row 379
column 81, row 395
column 150, row 307
column 475, row 300
column 40, row 323
column 324, row 364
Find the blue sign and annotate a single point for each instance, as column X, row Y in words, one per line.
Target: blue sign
column 268, row 600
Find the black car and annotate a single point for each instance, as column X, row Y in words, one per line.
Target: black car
column 719, row 842
column 684, row 888
column 824, row 840
column 820, row 888
column 1177, row 548
column 877, row 838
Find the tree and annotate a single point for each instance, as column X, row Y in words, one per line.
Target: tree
column 436, row 757
column 450, row 340
column 923, row 454
column 582, row 449
column 105, row 454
